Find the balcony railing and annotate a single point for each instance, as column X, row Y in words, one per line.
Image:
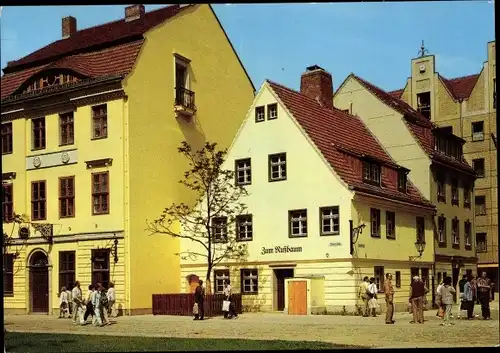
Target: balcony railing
column 184, row 98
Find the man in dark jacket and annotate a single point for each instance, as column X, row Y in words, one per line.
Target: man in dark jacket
column 199, row 295
column 417, row 292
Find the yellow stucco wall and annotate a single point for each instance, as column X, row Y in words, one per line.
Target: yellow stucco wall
column 222, row 96
column 84, row 224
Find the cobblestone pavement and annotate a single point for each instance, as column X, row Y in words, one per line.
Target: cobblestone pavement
column 344, row 330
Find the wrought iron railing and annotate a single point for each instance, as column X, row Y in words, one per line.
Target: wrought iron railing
column 184, row 97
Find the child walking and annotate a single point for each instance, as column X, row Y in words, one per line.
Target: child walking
column 63, row 303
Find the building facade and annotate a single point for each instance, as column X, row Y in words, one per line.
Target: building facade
column 438, row 169
column 315, row 173
column 467, row 107
column 90, row 129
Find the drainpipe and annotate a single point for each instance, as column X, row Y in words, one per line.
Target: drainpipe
column 460, row 101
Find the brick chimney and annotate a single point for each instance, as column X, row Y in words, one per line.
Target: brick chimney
column 316, row 83
column 68, row 26
column 134, row 12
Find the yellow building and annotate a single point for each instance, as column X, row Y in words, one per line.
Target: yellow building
column 315, row 172
column 438, row 168
column 467, row 107
column 90, row 129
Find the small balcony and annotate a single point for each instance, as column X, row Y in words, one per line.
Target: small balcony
column 184, row 101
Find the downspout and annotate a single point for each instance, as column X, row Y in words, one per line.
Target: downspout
column 460, row 101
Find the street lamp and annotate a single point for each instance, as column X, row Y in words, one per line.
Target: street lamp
column 420, row 246
column 355, row 232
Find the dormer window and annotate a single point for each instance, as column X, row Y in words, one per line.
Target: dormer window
column 371, row 173
column 402, row 180
column 48, row 79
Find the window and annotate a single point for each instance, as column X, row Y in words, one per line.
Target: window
column 8, row 202
column 183, row 96
column 371, row 173
column 424, row 104
column 249, row 281
column 379, row 277
column 277, row 167
column 100, row 266
column 481, row 242
column 467, row 234
column 345, row 111
column 467, row 196
column 478, row 166
column 6, row 138
column 244, row 227
column 494, row 93
column 402, row 181
column 330, row 220
column 478, row 131
column 260, row 114
column 100, row 193
column 38, row 129
column 375, row 222
column 219, row 229
column 390, row 229
column 441, row 188
column 455, row 232
column 100, row 121
column 454, row 192
column 38, row 200
column 8, row 274
column 67, row 197
column 420, row 224
column 442, row 230
column 181, row 74
column 425, row 276
column 272, row 111
column 398, row 279
column 66, row 269
column 243, row 171
column 220, row 277
column 298, row 223
column 480, row 202
column 67, row 129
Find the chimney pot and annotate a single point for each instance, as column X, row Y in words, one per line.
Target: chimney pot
column 68, row 26
column 317, row 84
column 134, row 12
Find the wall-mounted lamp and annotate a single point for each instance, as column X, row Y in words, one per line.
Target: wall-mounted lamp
column 420, row 246
column 355, row 232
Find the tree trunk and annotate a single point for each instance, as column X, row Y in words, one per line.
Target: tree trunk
column 208, row 286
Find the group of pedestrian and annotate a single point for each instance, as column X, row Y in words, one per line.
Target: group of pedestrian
column 98, row 303
column 445, row 294
column 227, row 307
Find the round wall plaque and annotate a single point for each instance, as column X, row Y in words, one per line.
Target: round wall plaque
column 37, row 162
column 65, row 157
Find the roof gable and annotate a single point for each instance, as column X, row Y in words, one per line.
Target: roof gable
column 344, row 141
column 461, row 87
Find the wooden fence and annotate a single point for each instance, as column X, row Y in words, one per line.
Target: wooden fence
column 182, row 304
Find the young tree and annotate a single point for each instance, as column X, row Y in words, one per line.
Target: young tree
column 211, row 224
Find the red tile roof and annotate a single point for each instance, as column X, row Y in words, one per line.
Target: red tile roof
column 460, row 87
column 115, row 60
column 421, row 128
column 102, row 35
column 397, row 93
column 105, row 50
column 342, row 139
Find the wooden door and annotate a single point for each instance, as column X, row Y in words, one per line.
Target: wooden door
column 297, row 298
column 39, row 289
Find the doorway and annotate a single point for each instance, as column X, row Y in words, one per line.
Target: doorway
column 39, row 282
column 454, row 278
column 280, row 275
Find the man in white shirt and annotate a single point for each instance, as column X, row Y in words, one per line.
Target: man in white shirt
column 76, row 295
column 227, row 296
column 111, row 299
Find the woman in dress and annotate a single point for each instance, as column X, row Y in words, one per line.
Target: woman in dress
column 372, row 302
column 63, row 303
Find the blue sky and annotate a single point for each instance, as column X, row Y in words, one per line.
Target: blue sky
column 278, row 41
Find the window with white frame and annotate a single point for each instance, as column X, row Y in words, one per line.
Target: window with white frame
column 243, row 171
column 219, row 229
column 249, row 281
column 220, row 278
column 260, row 114
column 467, row 234
column 272, row 111
column 455, row 232
column 442, row 230
column 330, row 220
column 244, row 227
column 277, row 167
column 298, row 223
column 375, row 222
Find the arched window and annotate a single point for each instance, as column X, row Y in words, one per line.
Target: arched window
column 48, row 79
